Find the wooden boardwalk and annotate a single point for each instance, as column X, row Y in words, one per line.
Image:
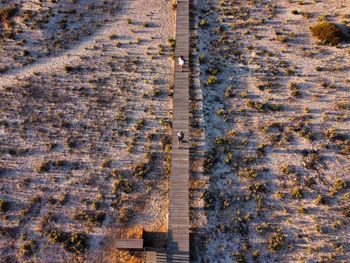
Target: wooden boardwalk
column 129, row 244
column 155, row 257
column 178, row 228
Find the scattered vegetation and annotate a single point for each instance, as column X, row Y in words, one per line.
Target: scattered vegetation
column 72, row 241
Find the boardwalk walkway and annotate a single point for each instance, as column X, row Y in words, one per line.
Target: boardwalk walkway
column 178, row 229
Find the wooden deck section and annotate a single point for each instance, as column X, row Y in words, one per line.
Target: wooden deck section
column 178, row 228
column 155, row 257
column 129, row 244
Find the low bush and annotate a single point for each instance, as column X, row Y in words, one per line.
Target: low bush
column 345, row 210
column 212, row 80
column 174, row 4
column 122, row 184
column 28, row 248
column 202, row 23
column 4, row 205
column 74, row 242
column 275, row 242
column 125, row 215
column 42, row 166
column 263, row 106
column 320, row 199
column 248, row 173
column 7, row 12
column 297, row 193
column 311, row 160
column 328, row 33
column 140, row 170
column 172, row 42
column 209, row 199
column 294, row 89
column 338, row 185
column 209, row 162
column 91, row 217
column 229, row 92
column 68, row 69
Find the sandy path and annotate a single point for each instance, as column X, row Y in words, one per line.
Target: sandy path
column 84, row 47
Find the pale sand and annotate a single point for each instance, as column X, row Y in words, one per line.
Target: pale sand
column 128, row 91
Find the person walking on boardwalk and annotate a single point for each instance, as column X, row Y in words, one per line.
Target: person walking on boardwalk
column 181, row 62
column 180, row 138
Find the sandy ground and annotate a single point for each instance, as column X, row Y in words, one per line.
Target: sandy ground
column 275, row 186
column 76, row 125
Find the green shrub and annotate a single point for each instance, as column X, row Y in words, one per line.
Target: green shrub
column 328, row 33
column 106, row 163
column 320, row 200
column 202, row 58
column 294, row 89
column 220, row 112
column 229, row 92
column 339, row 184
column 257, row 187
column 202, row 23
column 240, row 257
column 91, row 217
column 125, row 215
column 256, row 254
column 287, row 169
column 165, row 123
column 122, row 184
column 209, row 199
column 75, row 242
column 140, row 170
column 311, row 160
column 248, row 173
column 212, row 80
column 275, row 242
column 213, row 71
column 263, row 106
column 28, row 248
column 243, row 94
column 172, row 42
column 209, row 162
column 228, row 158
column 297, row 193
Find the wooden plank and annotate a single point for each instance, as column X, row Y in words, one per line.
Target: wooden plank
column 129, row 244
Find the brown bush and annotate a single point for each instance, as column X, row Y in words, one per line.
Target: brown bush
column 328, row 33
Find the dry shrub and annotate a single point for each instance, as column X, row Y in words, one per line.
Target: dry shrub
column 328, row 33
